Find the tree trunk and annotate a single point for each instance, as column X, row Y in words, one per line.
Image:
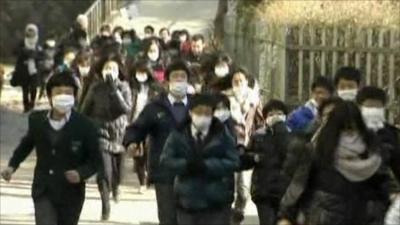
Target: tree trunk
column 219, row 21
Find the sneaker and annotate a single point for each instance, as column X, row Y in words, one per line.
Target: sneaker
column 115, row 195
column 105, row 217
column 141, row 189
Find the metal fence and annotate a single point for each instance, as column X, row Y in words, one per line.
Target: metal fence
column 99, row 12
column 286, row 59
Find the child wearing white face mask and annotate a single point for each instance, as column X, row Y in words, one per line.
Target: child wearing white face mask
column 347, row 82
column 203, row 156
column 372, row 101
column 267, row 153
column 108, row 103
column 245, row 107
column 66, row 145
column 144, row 90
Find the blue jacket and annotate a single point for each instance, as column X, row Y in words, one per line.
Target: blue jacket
column 210, row 188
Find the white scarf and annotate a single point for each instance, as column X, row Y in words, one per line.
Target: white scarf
column 349, row 163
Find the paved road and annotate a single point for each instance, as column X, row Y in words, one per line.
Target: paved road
column 16, row 206
column 194, row 15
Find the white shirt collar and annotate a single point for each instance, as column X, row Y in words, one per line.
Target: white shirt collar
column 58, row 124
column 194, row 132
column 172, row 99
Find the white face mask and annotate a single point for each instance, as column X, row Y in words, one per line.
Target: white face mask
column 84, row 70
column 83, row 42
column 113, row 73
column 202, row 123
column 117, row 38
column 178, row 88
column 126, row 41
column 63, row 103
column 141, row 77
column 30, row 43
column 347, row 139
column 51, row 43
column 221, row 71
column 240, row 91
column 348, row 95
column 222, row 114
column 153, row 56
column 272, row 120
column 374, row 117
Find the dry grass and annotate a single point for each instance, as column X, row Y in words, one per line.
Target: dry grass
column 367, row 13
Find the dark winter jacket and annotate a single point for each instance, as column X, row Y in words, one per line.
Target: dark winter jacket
column 390, row 137
column 109, row 109
column 21, row 76
column 156, row 121
column 209, row 188
column 269, row 180
column 327, row 197
column 75, row 149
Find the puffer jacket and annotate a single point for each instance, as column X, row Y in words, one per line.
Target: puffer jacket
column 210, row 189
column 326, row 197
column 109, row 108
column 269, row 180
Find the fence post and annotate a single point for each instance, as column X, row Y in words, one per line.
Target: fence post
column 300, row 66
column 334, row 54
column 323, row 53
column 380, row 58
column 369, row 57
column 392, row 79
column 312, row 56
column 282, row 67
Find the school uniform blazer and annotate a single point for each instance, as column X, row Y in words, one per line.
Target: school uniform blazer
column 75, row 149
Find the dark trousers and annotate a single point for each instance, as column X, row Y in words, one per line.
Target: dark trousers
column 140, row 168
column 266, row 213
column 217, row 217
column 29, row 92
column 166, row 204
column 109, row 179
column 49, row 213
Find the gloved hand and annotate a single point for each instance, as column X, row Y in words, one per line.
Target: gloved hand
column 111, row 82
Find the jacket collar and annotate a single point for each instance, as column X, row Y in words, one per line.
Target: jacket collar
column 211, row 138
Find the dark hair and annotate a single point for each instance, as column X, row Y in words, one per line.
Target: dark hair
column 348, row 73
column 131, row 33
column 118, row 29
column 185, row 32
column 244, row 71
column 62, row 78
column 274, row 104
column 164, row 29
column 322, row 82
column 140, row 65
column 202, row 99
column 371, row 92
column 198, row 37
column 149, row 27
column 105, row 27
column 221, row 98
column 111, row 56
column 344, row 115
column 177, row 65
column 152, row 40
column 79, row 34
column 333, row 100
